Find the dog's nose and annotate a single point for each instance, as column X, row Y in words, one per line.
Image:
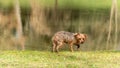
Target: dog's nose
column 82, row 42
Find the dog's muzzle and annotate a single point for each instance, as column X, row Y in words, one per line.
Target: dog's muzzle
column 82, row 42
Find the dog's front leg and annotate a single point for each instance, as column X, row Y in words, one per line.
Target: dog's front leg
column 78, row 46
column 71, row 47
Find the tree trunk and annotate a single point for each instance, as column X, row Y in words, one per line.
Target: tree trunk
column 37, row 19
column 113, row 10
column 55, row 16
column 56, row 6
column 116, row 27
column 110, row 25
column 19, row 30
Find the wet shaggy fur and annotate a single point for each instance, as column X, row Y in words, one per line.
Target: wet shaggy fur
column 62, row 37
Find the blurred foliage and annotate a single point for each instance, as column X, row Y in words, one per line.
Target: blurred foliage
column 75, row 4
column 85, row 16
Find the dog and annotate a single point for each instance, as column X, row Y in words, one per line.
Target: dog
column 62, row 37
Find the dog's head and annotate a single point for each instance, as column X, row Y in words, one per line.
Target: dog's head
column 80, row 37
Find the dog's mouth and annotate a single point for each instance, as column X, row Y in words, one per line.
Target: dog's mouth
column 82, row 42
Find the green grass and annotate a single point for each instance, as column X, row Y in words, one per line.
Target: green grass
column 40, row 59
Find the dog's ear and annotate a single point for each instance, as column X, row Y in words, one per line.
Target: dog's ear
column 85, row 36
column 75, row 34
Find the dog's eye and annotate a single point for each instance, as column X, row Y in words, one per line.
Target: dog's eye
column 83, row 39
column 79, row 38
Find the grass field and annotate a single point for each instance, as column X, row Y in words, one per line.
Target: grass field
column 42, row 59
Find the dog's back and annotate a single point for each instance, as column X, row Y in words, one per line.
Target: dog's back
column 63, row 36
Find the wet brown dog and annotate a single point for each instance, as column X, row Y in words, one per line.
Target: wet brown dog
column 62, row 37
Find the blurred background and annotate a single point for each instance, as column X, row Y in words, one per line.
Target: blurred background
column 32, row 23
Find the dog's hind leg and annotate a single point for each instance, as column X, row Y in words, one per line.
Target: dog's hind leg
column 58, row 46
column 54, row 47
